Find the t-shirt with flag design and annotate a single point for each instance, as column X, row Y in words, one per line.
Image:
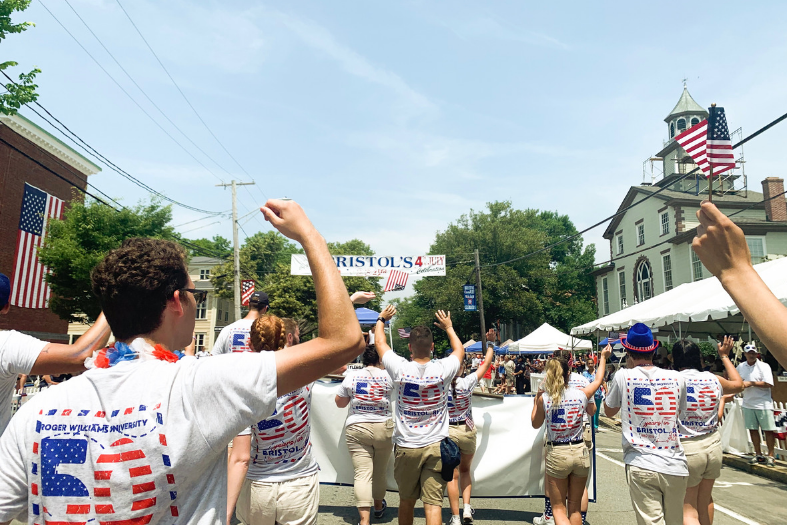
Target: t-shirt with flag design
column 650, row 399
column 233, row 338
column 18, row 354
column 281, row 447
column 460, row 399
column 421, row 398
column 564, row 419
column 139, row 443
column 369, row 390
column 700, row 416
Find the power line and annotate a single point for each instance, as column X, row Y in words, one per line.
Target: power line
column 129, row 95
column 195, row 220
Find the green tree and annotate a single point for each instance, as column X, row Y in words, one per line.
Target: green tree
column 218, row 246
column 75, row 244
column 24, row 91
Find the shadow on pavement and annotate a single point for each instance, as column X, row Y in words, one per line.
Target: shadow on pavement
column 350, row 515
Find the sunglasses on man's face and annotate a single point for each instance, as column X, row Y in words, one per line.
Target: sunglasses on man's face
column 199, row 295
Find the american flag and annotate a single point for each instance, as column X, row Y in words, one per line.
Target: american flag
column 404, row 333
column 709, row 142
column 246, row 289
column 29, row 288
column 396, row 281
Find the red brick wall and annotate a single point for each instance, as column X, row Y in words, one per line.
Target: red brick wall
column 775, row 209
column 15, row 171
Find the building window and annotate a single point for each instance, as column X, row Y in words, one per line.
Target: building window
column 696, row 266
column 620, row 244
column 672, row 130
column 640, row 234
column 622, row 286
column 666, row 262
column 199, row 342
column 220, row 312
column 204, row 275
column 644, row 281
column 202, row 310
column 757, row 249
column 227, row 316
column 694, row 121
column 681, row 125
column 605, row 295
column 665, row 223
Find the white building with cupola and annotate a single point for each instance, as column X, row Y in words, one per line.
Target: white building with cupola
column 650, row 244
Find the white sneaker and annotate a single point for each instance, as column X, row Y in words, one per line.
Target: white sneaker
column 455, row 520
column 543, row 520
column 467, row 516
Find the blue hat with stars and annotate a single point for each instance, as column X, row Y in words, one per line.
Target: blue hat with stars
column 5, row 290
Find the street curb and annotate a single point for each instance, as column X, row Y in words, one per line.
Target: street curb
column 742, row 463
column 610, row 423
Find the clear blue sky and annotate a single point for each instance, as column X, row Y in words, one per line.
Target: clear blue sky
column 387, row 120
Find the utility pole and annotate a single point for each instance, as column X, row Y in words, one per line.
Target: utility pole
column 235, row 246
column 480, row 302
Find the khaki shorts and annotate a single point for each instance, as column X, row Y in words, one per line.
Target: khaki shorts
column 291, row 502
column 564, row 460
column 463, row 437
column 509, row 381
column 656, row 497
column 417, row 473
column 704, row 456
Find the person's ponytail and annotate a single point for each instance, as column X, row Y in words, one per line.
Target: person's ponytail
column 556, row 379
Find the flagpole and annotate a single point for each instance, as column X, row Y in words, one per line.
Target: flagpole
column 710, row 162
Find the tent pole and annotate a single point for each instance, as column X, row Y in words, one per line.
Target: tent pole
column 680, row 331
column 390, row 332
column 747, row 324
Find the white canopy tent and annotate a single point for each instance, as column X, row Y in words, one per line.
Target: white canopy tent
column 546, row 339
column 700, row 308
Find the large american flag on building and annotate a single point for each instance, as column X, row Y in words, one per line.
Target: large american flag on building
column 246, row 289
column 29, row 288
column 709, row 143
column 396, row 281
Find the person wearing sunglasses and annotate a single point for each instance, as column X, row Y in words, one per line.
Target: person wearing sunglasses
column 145, row 437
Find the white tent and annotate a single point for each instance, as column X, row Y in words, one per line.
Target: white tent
column 547, row 339
column 698, row 308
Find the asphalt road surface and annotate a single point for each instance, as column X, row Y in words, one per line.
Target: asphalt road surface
column 740, row 498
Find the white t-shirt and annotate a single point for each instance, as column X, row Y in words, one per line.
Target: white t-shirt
column 233, row 338
column 421, row 398
column 650, row 399
column 579, row 381
column 757, row 397
column 18, row 354
column 460, row 407
column 143, row 440
column 476, row 362
column 369, row 390
column 564, row 420
column 281, row 447
column 703, row 396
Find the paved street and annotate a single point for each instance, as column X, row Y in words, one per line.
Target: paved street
column 740, row 498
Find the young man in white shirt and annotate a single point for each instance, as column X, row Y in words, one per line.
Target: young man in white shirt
column 21, row 354
column 235, row 336
column 656, row 467
column 758, row 403
column 143, row 437
column 421, row 421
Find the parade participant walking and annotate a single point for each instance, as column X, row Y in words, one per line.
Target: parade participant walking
column 281, row 483
column 463, row 431
column 21, row 354
column 698, row 425
column 758, row 403
column 568, row 458
column 656, row 468
column 235, row 336
column 145, row 437
column 368, row 430
column 421, row 419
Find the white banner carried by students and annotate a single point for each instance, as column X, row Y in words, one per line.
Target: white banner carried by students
column 376, row 265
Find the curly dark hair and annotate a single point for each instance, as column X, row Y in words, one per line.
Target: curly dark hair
column 134, row 282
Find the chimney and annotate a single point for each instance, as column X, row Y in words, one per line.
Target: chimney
column 775, row 209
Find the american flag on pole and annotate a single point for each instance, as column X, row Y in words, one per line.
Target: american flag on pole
column 29, row 288
column 396, row 281
column 709, row 143
column 404, row 333
column 246, row 289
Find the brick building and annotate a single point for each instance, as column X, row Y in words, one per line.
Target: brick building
column 29, row 154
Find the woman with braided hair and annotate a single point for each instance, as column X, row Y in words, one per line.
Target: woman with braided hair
column 272, row 474
column 563, row 406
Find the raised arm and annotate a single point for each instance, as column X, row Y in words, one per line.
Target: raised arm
column 339, row 338
column 380, row 344
column 734, row 383
column 721, row 246
column 444, row 322
column 590, row 390
column 483, row 367
column 56, row 358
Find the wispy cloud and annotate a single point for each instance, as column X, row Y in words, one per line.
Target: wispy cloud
column 489, row 27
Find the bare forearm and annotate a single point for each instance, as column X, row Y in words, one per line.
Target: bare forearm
column 236, row 473
column 380, row 342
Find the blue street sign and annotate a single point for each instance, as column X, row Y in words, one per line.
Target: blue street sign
column 469, row 293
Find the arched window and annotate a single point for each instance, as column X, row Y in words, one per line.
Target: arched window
column 681, row 125
column 672, row 130
column 644, row 278
column 695, row 121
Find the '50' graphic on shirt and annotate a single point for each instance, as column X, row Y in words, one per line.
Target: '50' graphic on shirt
column 648, row 401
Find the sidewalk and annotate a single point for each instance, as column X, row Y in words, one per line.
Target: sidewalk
column 776, row 473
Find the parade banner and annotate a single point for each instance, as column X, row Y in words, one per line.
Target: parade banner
column 509, row 458
column 376, row 265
